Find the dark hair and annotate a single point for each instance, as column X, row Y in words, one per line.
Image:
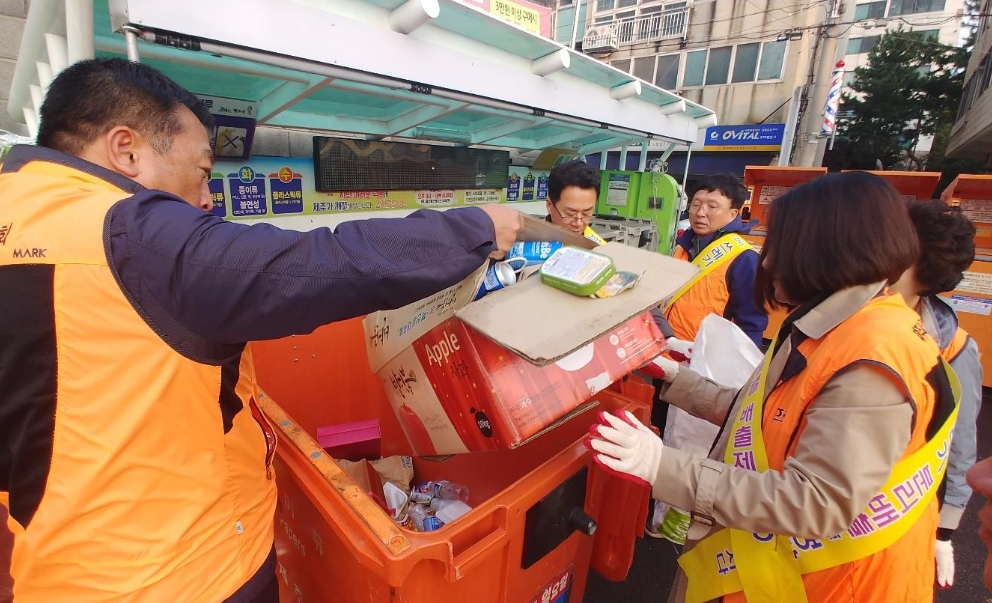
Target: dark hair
column 576, row 173
column 834, row 232
column 91, row 97
column 947, row 245
column 727, row 185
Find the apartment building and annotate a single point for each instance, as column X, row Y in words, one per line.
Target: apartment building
column 741, row 58
column 971, row 137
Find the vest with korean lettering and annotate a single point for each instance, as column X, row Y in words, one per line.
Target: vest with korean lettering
column 887, row 554
column 136, row 473
column 707, row 292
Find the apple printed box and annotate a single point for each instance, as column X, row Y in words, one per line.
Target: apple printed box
column 468, row 376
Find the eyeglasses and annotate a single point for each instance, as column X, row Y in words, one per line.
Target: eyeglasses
column 584, row 218
column 707, row 208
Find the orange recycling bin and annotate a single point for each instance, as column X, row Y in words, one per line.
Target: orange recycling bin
column 766, row 183
column 6, row 548
column 543, row 514
column 912, row 185
column 972, row 299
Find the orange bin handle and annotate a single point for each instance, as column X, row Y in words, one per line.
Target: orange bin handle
column 462, row 563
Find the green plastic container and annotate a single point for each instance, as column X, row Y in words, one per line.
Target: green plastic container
column 577, row 271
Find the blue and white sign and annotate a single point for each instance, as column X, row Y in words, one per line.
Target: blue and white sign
column 758, row 137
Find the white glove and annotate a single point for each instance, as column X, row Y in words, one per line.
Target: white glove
column 679, row 350
column 661, row 368
column 627, row 447
column 945, row 563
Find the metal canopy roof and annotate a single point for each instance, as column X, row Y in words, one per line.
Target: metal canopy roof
column 422, row 69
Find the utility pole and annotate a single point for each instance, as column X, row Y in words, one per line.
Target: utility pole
column 575, row 22
column 817, row 97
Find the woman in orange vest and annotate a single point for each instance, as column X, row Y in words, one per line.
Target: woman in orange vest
column 821, row 485
column 947, row 249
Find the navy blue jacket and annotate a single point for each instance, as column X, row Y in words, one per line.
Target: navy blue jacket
column 741, row 309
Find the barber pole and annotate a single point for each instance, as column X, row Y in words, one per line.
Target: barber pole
column 833, row 101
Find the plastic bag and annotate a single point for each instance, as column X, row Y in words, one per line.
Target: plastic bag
column 8, row 140
column 724, row 354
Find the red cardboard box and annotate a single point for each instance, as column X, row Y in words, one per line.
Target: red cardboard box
column 468, row 376
column 352, row 441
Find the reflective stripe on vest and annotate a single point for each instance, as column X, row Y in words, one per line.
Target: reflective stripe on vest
column 591, row 234
column 716, row 254
column 769, row 567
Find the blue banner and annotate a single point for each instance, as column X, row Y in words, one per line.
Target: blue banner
column 758, row 137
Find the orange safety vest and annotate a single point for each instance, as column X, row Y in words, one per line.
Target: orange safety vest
column 950, row 353
column 887, row 334
column 708, row 296
column 157, row 486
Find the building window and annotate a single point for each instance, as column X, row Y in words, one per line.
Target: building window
column 695, row 66
column 862, row 45
column 626, row 3
column 603, row 6
column 772, row 61
column 745, row 63
column 622, row 65
column 929, row 35
column 667, row 76
column 869, row 10
column 912, row 7
column 644, row 68
column 848, row 81
column 718, row 65
column 752, row 62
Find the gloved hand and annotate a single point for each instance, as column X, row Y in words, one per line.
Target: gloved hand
column 945, row 564
column 679, row 350
column 626, row 447
column 661, row 368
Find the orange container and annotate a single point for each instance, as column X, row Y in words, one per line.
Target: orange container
column 766, row 183
column 516, row 545
column 6, row 548
column 915, row 186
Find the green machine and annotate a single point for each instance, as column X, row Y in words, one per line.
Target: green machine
column 637, row 196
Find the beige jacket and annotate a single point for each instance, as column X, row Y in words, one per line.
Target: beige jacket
column 857, row 429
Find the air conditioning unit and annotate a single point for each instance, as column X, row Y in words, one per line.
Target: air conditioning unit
column 602, row 38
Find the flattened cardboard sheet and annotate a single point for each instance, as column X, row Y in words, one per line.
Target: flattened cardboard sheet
column 544, row 324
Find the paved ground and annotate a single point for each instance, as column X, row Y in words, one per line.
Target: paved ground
column 654, row 560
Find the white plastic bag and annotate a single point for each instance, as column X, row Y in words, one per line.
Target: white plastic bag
column 724, row 354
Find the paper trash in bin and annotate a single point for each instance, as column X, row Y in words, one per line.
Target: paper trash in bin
column 468, row 376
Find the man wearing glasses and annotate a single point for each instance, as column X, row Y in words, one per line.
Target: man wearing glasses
column 573, row 188
column 728, row 265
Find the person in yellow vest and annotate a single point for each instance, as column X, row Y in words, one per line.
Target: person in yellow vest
column 727, row 263
column 947, row 249
column 821, row 486
column 724, row 285
column 134, row 461
column 980, row 478
column 573, row 188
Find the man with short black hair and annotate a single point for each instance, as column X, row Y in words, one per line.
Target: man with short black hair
column 573, row 189
column 135, row 463
column 728, row 264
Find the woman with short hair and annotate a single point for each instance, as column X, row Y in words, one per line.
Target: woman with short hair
column 821, row 485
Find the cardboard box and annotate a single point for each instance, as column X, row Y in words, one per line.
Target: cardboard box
column 468, row 376
column 352, row 441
